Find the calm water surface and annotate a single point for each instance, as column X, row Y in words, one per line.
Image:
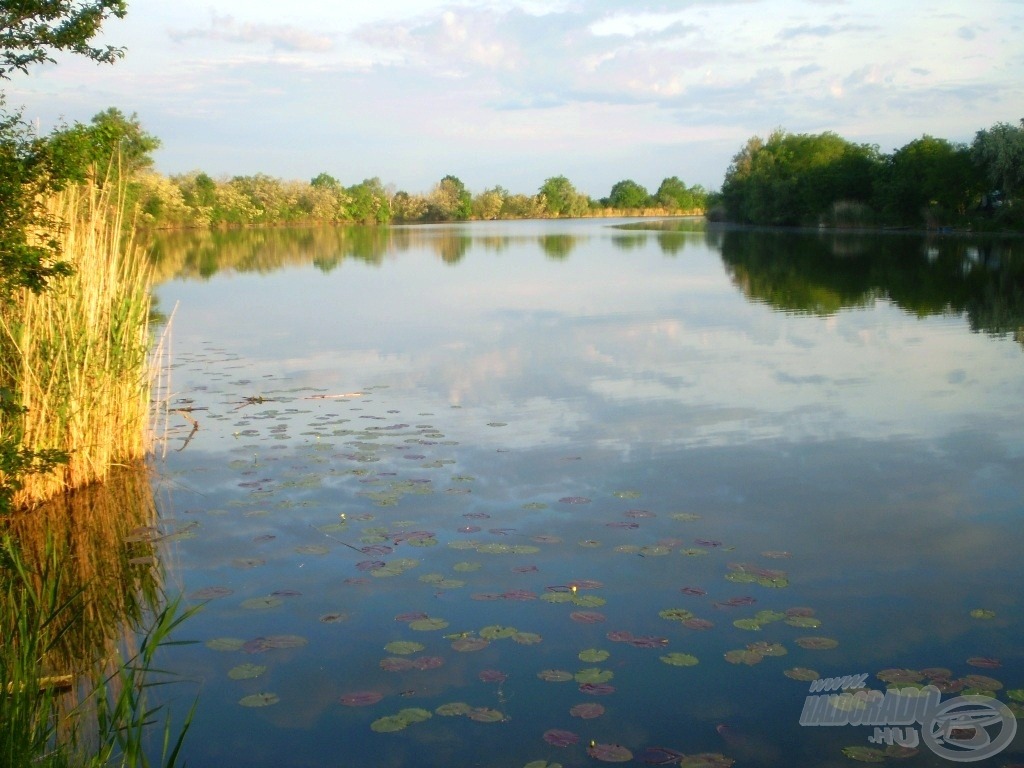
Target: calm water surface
column 430, row 436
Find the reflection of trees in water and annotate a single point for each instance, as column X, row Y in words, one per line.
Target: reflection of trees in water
column 203, row 253
column 821, row 274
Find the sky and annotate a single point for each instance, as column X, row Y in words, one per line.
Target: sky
column 512, row 92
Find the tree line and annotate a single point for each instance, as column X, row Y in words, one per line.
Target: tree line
column 823, row 179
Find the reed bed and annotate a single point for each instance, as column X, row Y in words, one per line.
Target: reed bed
column 77, row 354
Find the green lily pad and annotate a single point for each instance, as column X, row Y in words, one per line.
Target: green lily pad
column 526, row 638
column 496, row 632
column 594, row 675
column 676, row 614
column 816, row 643
column 465, row 567
column 743, row 656
column 766, row 617
column 1017, row 694
column 485, row 715
column 752, row 625
column 555, row 675
column 225, row 644
column 982, row 613
column 865, row 754
column 452, row 709
column 389, row 724
column 259, row 700
column 246, row 671
column 542, row 764
column 680, row 659
column 403, row 647
column 686, row 517
column 804, row 622
column 428, row 624
column 768, row 649
column 593, row 655
column 626, row 494
column 802, row 673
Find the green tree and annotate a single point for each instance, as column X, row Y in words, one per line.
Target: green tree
column 31, row 31
column 797, row 178
column 559, row 198
column 628, row 194
column 929, row 178
column 673, row 193
column 999, row 152
column 450, row 200
column 369, row 202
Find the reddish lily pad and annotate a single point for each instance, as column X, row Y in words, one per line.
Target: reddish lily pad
column 744, row 656
column 492, row 676
column 596, row 689
column 559, row 738
column 609, row 753
column 587, row 617
column 985, row 662
column 587, row 711
column 361, row 698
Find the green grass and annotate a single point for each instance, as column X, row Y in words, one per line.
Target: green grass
column 61, row 711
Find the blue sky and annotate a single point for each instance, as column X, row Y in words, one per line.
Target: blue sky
column 511, row 92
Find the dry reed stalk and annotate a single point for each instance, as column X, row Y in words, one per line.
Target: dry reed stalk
column 78, row 353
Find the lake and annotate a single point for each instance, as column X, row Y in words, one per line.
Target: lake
column 562, row 492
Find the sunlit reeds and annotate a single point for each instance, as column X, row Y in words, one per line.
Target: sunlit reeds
column 77, row 354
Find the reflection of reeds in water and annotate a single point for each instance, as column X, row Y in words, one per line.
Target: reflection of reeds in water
column 79, row 582
column 76, row 354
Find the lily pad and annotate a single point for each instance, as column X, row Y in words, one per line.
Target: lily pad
column 802, row 674
column 469, row 644
column 453, row 709
column 680, row 659
column 574, row 500
column 752, row 625
column 865, row 754
column 816, row 643
column 594, row 675
column 804, row 622
column 259, row 700
column 555, row 675
column 403, row 647
column 587, row 710
column 676, row 614
column 225, row 644
column 262, row 603
column 983, row 613
column 609, row 753
column 428, row 624
column 593, row 655
column 485, row 715
column 744, row 656
column 361, row 698
column 246, row 671
column 559, row 738
column 526, row 638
